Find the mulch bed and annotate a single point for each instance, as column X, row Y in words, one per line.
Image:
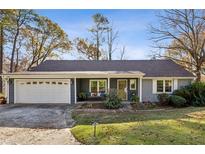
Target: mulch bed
column 131, row 108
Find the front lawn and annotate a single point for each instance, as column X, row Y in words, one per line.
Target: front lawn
column 175, row 126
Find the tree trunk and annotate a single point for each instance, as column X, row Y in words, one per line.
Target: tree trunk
column 13, row 51
column 198, row 74
column 98, row 46
column 17, row 61
column 1, row 56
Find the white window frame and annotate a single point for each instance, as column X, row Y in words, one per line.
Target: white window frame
column 155, row 86
column 135, row 82
column 98, row 94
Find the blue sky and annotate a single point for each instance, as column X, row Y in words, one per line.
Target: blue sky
column 131, row 24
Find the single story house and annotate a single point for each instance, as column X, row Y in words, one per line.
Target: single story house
column 60, row 81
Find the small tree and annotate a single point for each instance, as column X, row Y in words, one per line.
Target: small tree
column 99, row 28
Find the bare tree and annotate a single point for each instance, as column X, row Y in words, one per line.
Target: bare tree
column 122, row 53
column 181, row 33
column 112, row 35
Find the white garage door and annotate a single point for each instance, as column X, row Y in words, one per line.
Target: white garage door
column 42, row 91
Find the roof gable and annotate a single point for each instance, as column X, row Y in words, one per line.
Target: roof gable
column 151, row 68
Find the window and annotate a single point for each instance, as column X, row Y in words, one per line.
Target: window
column 132, row 84
column 164, row 86
column 102, row 86
column 168, row 86
column 159, row 85
column 94, row 87
column 34, row 82
column 40, row 82
column 97, row 87
column 53, row 82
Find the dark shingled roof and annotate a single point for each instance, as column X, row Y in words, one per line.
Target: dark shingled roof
column 151, row 68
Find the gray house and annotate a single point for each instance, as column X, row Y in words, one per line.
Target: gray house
column 61, row 81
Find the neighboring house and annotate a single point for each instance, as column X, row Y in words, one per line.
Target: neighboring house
column 60, row 81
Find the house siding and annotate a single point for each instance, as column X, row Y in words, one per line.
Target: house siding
column 183, row 82
column 11, row 91
column 147, row 94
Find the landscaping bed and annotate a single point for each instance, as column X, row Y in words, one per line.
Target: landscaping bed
column 94, row 105
column 174, row 126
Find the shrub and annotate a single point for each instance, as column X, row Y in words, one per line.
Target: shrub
column 112, row 100
column 194, row 94
column 163, row 99
column 82, row 96
column 134, row 98
column 177, row 101
column 184, row 92
column 2, row 99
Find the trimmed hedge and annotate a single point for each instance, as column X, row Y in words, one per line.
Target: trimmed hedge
column 163, row 99
column 177, row 101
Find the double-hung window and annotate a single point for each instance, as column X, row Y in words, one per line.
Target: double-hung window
column 132, row 84
column 98, row 87
column 163, row 86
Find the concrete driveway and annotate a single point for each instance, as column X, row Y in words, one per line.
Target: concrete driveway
column 36, row 124
column 36, row 115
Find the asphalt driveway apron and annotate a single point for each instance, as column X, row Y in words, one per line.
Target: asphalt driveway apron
column 36, row 115
column 37, row 124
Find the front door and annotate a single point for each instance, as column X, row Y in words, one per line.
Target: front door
column 122, row 88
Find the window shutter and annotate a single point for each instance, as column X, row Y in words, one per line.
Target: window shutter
column 175, row 84
column 154, row 86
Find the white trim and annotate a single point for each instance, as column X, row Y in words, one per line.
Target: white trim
column 135, row 82
column 14, row 90
column 175, row 84
column 75, row 93
column 108, row 84
column 168, row 77
column 126, row 86
column 140, row 92
column 155, row 86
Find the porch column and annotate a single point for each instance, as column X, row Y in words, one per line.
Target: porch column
column 140, row 90
column 75, row 90
column 6, row 80
column 108, row 84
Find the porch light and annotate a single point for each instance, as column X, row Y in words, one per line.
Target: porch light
column 94, row 128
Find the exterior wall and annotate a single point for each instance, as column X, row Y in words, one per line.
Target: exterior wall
column 72, row 92
column 147, row 94
column 183, row 82
column 11, row 91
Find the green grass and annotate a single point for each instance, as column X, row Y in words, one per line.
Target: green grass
column 178, row 126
